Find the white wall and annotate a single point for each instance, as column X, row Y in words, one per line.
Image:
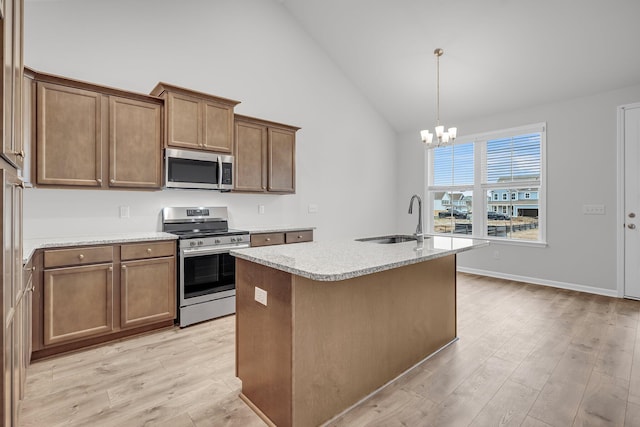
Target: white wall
column 581, row 169
column 249, row 50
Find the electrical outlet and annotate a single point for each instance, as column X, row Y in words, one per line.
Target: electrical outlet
column 313, row 208
column 124, row 211
column 260, row 209
column 496, row 254
column 593, row 209
column 260, row 296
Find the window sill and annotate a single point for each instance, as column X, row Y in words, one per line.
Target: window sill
column 511, row 242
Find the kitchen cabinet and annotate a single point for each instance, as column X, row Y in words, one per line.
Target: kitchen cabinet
column 12, row 57
column 13, row 291
column 280, row 238
column 264, row 156
column 14, row 305
column 78, row 294
column 85, row 295
column 147, row 283
column 196, row 120
column 97, row 137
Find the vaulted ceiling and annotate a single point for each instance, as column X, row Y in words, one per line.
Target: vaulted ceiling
column 500, row 55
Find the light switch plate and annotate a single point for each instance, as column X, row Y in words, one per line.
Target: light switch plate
column 260, row 296
column 593, row 209
column 313, row 208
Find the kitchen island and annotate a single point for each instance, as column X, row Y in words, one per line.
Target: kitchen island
column 321, row 325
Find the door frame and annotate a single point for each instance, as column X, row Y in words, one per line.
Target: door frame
column 620, row 216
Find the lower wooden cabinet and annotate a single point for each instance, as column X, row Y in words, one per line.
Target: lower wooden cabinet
column 78, row 302
column 279, row 238
column 148, row 291
column 92, row 294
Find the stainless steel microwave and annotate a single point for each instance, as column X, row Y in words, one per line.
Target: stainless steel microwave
column 198, row 169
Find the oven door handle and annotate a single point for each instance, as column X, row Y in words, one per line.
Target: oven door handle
column 191, row 252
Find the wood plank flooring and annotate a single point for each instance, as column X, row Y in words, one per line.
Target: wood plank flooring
column 527, row 356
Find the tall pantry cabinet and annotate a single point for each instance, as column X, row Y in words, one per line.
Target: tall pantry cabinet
column 15, row 333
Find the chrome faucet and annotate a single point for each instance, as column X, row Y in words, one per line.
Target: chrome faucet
column 419, row 235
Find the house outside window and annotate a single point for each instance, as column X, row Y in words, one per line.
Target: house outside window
column 495, row 182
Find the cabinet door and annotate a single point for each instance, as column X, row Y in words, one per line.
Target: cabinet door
column 184, row 124
column 25, row 346
column 282, row 155
column 135, row 144
column 8, row 87
column 8, row 373
column 11, row 238
column 69, row 136
column 217, row 127
column 78, row 303
column 250, row 157
column 148, row 291
column 18, row 148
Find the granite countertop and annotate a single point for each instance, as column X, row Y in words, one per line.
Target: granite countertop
column 345, row 259
column 29, row 246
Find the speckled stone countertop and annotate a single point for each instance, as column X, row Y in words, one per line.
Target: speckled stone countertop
column 345, row 259
column 29, row 246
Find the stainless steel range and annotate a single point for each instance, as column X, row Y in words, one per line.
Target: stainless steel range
column 206, row 271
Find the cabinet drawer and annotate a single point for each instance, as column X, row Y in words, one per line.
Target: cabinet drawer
column 266, row 239
column 147, row 250
column 77, row 256
column 299, row 236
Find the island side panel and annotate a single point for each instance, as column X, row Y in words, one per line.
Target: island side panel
column 353, row 336
column 263, row 339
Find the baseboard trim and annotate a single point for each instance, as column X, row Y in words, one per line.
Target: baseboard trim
column 542, row 282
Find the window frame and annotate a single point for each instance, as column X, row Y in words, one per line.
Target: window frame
column 479, row 189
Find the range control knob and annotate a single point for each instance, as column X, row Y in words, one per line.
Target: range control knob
column 192, row 243
column 200, row 243
column 216, row 241
column 239, row 239
column 233, row 239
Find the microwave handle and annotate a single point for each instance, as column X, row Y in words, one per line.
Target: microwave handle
column 220, row 171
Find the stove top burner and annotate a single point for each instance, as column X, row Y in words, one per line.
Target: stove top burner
column 194, row 234
column 199, row 223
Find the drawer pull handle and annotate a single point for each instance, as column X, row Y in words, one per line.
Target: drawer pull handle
column 148, row 250
column 299, row 236
column 80, row 257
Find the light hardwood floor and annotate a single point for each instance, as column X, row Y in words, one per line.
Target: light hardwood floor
column 527, row 356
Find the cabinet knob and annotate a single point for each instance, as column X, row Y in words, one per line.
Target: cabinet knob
column 110, row 268
column 299, row 236
column 267, row 239
column 33, row 268
column 148, row 250
column 124, row 267
column 20, row 153
column 81, row 257
column 99, row 181
column 112, row 181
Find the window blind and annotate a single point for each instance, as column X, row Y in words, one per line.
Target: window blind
column 453, row 165
column 512, row 159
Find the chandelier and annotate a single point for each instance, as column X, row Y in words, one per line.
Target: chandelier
column 441, row 135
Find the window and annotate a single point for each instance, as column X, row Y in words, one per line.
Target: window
column 496, row 181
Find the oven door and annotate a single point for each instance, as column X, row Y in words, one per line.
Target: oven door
column 206, row 274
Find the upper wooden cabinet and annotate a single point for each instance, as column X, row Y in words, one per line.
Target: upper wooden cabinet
column 265, row 156
column 11, row 76
column 196, row 120
column 93, row 136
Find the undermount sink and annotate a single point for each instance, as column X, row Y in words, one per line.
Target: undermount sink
column 396, row 238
